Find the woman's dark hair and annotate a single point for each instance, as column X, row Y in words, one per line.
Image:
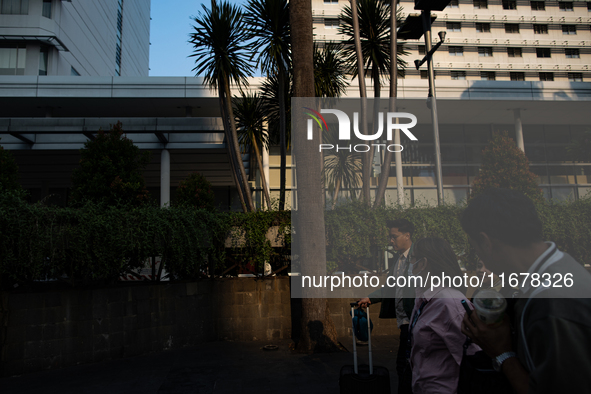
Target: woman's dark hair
column 441, row 258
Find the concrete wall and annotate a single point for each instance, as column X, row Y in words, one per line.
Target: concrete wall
column 60, row 328
column 67, row 327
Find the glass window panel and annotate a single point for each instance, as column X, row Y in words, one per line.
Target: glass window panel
column 584, row 192
column 453, row 154
column 453, row 133
column 557, row 153
column 563, row 193
column 583, row 174
column 546, row 191
column 418, row 153
column 455, row 195
column 557, row 134
column 536, row 153
column 424, row 133
column 474, row 153
column 454, row 175
column 423, row 175
column 561, row 175
column 533, row 134
column 472, row 173
column 406, row 176
column 542, row 174
column 477, row 134
column 425, row 197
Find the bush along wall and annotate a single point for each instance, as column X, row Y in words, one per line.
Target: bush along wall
column 96, row 242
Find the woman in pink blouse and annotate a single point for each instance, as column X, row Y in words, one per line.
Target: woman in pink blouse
column 434, row 330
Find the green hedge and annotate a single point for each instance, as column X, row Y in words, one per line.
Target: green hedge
column 357, row 234
column 100, row 242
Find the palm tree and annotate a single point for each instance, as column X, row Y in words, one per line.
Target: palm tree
column 341, row 168
column 374, row 31
column 223, row 58
column 385, row 174
column 268, row 22
column 250, row 119
column 329, row 70
column 372, row 40
column 318, row 332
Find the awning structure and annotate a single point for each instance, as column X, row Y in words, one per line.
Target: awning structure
column 49, row 40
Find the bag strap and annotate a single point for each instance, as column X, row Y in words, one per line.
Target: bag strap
column 415, row 318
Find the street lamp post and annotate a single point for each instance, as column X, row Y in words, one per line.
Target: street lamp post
column 426, row 17
column 413, row 28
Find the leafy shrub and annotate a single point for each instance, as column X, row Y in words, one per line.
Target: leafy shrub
column 505, row 165
column 9, row 181
column 195, row 191
column 110, row 170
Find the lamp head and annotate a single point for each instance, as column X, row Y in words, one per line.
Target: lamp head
column 417, row 63
column 441, row 35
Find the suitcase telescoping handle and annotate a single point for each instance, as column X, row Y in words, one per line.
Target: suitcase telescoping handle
column 353, row 305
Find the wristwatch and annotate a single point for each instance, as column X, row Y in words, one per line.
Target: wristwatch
column 498, row 361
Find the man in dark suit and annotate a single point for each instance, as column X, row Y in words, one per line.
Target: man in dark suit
column 401, row 232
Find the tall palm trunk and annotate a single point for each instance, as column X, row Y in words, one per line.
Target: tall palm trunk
column 366, row 174
column 257, row 152
column 282, row 135
column 318, row 332
column 233, row 167
column 385, row 174
column 234, row 144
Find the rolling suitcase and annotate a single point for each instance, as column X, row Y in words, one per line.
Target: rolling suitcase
column 363, row 378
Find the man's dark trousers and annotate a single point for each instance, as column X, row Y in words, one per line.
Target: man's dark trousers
column 404, row 372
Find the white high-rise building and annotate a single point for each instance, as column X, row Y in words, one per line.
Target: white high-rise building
column 503, row 40
column 82, row 37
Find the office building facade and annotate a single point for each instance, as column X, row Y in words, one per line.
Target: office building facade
column 88, row 38
column 503, row 40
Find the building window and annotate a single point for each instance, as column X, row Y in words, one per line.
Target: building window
column 487, row 76
column 457, row 75
column 482, row 27
column 119, row 38
column 485, row 51
column 43, row 59
column 454, row 26
column 541, row 29
column 73, row 72
column 421, row 50
column 12, row 60
column 331, row 1
column 517, row 76
column 572, row 53
column 509, row 4
column 565, row 6
column 480, row 4
column 456, row 51
column 575, row 77
column 511, row 28
column 547, row 76
column 46, row 11
column 569, row 29
column 538, row 6
column 454, row 4
column 543, row 52
column 331, row 23
column 14, row 7
column 589, row 6
column 514, row 52
column 424, row 74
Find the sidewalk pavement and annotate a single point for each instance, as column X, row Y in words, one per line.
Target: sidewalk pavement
column 212, row 367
